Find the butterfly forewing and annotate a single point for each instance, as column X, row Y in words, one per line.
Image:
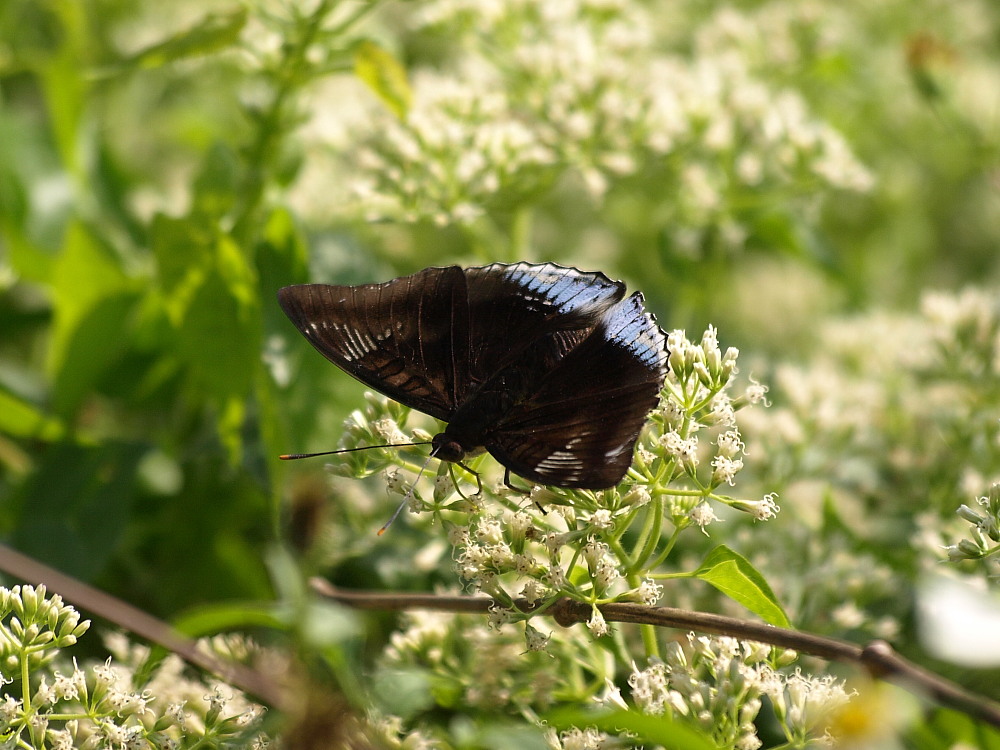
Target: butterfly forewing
column 398, row 337
column 579, row 427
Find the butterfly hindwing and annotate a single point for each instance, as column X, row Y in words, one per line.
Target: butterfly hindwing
column 544, row 310
column 579, row 427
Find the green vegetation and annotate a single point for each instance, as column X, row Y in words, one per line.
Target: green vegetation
column 815, row 184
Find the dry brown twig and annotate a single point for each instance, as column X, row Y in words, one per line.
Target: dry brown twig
column 142, row 624
column 877, row 658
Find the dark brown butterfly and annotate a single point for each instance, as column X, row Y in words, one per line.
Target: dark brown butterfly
column 550, row 369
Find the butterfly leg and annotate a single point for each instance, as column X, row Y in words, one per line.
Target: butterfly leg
column 479, row 483
column 506, row 481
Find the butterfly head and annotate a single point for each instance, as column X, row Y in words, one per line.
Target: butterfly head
column 446, row 448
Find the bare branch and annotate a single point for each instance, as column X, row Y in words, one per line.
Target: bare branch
column 877, row 658
column 133, row 619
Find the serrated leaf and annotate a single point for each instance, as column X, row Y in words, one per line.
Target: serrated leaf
column 734, row 576
column 385, row 76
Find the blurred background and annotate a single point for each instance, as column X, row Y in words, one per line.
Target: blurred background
column 820, row 180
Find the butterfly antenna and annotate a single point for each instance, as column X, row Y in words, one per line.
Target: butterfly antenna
column 295, row 456
column 406, row 499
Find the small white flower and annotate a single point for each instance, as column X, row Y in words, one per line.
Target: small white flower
column 217, row 699
column 684, row 450
column 534, row 638
column 60, row 739
column 649, row 592
column 761, row 510
column 9, row 708
column 489, row 531
column 605, row 575
column 756, row 393
column 394, row 482
column 596, row 624
column 725, row 469
column 46, row 694
column 518, row 524
column 176, row 712
column 730, row 444
column 702, row 514
column 612, row 696
column 848, row 615
column 458, row 536
column 389, row 431
column 593, row 552
column 810, row 701
column 602, row 519
column 533, row 591
column 637, row 496
column 65, row 687
column 554, row 542
column 498, row 616
column 555, row 577
column 523, row 564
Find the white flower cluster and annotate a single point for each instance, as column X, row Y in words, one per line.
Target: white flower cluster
column 966, row 329
column 983, row 540
column 698, row 385
column 497, row 554
column 73, row 706
column 539, row 90
column 559, row 542
column 578, row 739
column 490, row 667
column 873, row 446
column 718, row 682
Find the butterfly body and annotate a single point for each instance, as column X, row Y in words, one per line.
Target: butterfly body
column 550, row 369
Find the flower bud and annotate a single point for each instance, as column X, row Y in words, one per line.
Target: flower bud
column 971, row 515
column 703, row 375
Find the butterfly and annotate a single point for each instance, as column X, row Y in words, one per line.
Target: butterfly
column 550, row 369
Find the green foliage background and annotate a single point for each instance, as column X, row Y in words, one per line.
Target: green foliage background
column 152, row 201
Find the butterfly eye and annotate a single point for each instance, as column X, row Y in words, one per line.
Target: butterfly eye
column 447, row 449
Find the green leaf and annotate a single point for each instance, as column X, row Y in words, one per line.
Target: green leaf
column 21, row 419
column 214, row 32
column 403, row 692
column 75, row 509
column 86, row 272
column 217, row 341
column 65, row 96
column 282, row 257
column 734, row 576
column 93, row 349
column 219, row 618
column 183, row 248
column 216, row 184
column 643, row 729
column 385, row 76
column 944, row 728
